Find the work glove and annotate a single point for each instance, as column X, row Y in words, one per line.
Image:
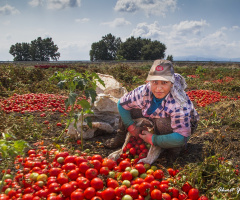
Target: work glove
column 135, row 130
column 146, row 136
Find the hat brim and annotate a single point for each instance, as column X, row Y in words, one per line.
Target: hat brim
column 160, row 78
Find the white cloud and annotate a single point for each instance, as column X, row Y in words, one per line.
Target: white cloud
column 126, row 6
column 8, row 10
column 117, row 22
column 150, row 7
column 35, row 3
column 191, row 37
column 148, row 31
column 235, row 28
column 61, row 4
column 189, row 27
column 83, row 20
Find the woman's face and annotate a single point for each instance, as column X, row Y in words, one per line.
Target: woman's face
column 160, row 89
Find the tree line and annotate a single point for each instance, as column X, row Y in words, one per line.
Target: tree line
column 108, row 48
column 112, row 48
column 38, row 50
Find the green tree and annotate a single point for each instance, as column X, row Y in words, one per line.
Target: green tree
column 141, row 49
column 38, row 50
column 98, row 51
column 170, row 58
column 153, row 50
column 131, row 48
column 44, row 49
column 105, row 49
column 20, row 51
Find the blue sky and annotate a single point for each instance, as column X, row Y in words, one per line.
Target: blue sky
column 204, row 28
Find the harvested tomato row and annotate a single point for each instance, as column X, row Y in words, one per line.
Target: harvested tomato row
column 206, row 97
column 55, row 174
column 35, row 102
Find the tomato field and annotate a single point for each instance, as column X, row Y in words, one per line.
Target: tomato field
column 39, row 161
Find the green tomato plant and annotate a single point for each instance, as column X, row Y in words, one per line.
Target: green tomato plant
column 78, row 85
column 9, row 149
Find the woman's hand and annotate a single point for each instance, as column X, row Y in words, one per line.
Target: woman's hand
column 146, row 136
column 135, row 130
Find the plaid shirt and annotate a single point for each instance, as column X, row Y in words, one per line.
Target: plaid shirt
column 180, row 115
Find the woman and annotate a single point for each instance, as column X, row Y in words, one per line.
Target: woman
column 163, row 101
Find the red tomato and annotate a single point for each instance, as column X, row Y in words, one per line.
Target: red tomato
column 104, row 170
column 96, row 163
column 62, row 178
column 126, row 175
column 70, row 159
column 124, row 164
column 186, row 187
column 74, row 185
column 112, row 183
column 79, row 159
column 12, row 193
column 163, row 187
column 182, row 196
column 133, row 151
column 174, row 192
column 83, row 182
column 91, row 173
column 144, row 188
column 193, row 194
column 69, row 166
column 158, row 174
column 89, row 193
column 166, row 196
column 67, row 189
column 54, row 171
column 108, row 163
column 149, row 178
column 140, row 167
column 63, row 154
column 73, row 174
column 156, row 194
column 84, row 166
column 132, row 192
column 97, row 157
column 108, row 194
column 97, row 183
column 27, row 197
column 120, row 191
column 171, row 171
column 139, row 181
column 54, row 187
column 59, row 124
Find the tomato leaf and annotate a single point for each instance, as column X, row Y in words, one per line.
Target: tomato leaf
column 88, row 120
column 91, row 93
column 85, row 104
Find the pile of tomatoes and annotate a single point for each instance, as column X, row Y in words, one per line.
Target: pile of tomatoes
column 135, row 149
column 205, row 97
column 35, row 102
column 57, row 175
